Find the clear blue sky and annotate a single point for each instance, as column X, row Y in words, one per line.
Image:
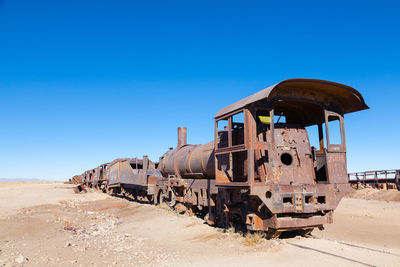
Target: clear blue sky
column 84, row 82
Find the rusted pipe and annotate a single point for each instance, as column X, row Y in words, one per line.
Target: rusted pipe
column 182, row 136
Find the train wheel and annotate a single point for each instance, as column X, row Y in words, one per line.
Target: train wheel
column 224, row 220
column 272, row 234
column 134, row 195
column 190, row 210
column 150, row 199
column 161, row 198
column 122, row 192
column 180, row 208
column 398, row 185
column 110, row 191
column 238, row 223
column 210, row 218
column 304, row 232
column 171, row 199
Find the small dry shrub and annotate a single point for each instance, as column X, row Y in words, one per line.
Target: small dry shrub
column 163, row 206
column 253, row 239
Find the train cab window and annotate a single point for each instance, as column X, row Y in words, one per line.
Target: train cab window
column 231, row 131
column 222, row 128
column 230, row 140
column 136, row 166
column 263, row 121
column 279, row 118
column 238, row 129
column 314, row 136
column 335, row 136
column 223, row 125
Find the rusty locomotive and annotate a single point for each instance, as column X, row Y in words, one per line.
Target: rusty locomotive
column 261, row 172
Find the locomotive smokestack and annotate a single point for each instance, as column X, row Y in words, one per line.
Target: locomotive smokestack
column 182, row 136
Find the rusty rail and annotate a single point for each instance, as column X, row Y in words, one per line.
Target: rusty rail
column 383, row 179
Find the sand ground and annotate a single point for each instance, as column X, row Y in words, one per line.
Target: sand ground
column 46, row 224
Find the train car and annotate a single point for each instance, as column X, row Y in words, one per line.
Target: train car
column 262, row 172
column 77, row 179
column 85, row 178
column 99, row 178
column 133, row 177
column 90, row 178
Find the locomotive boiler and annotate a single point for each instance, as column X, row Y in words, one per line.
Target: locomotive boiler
column 188, row 161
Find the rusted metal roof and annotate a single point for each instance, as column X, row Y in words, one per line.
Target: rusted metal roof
column 131, row 160
column 342, row 98
column 119, row 160
column 136, row 160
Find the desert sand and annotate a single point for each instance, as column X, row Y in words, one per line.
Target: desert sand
column 46, row 224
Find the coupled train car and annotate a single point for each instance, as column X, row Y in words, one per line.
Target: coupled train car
column 277, row 162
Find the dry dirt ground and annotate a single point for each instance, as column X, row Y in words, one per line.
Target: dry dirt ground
column 45, row 224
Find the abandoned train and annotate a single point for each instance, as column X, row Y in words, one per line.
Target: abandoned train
column 262, row 172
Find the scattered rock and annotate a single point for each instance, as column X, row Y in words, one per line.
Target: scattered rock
column 21, row 259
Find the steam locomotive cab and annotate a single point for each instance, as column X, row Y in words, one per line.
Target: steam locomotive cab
column 267, row 171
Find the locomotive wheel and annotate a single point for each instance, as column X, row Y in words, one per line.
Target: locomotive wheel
column 209, row 218
column 190, row 211
column 171, row 199
column 122, row 192
column 224, row 220
column 180, row 208
column 110, row 191
column 305, row 232
column 150, row 199
column 272, row 234
column 161, row 198
column 237, row 222
column 134, row 195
